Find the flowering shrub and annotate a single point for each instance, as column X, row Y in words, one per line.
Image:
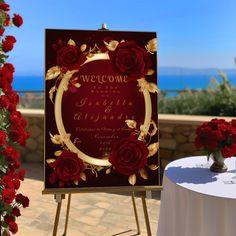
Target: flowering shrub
column 217, row 135
column 12, row 132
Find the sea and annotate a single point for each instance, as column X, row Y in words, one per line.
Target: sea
column 165, row 82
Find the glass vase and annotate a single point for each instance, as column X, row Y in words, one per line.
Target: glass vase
column 218, row 162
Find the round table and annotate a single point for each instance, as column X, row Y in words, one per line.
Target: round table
column 196, row 201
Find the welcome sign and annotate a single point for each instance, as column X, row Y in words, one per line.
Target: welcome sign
column 101, row 124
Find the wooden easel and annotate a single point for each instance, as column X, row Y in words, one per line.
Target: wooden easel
column 60, row 197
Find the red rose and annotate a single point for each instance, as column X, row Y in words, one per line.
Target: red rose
column 13, row 155
column 4, row 6
column 6, row 75
column 2, row 30
column 7, row 20
column 70, row 57
column 4, row 102
column 128, row 156
column 16, row 183
column 233, row 122
column 9, row 219
column 20, row 198
column 17, row 20
column 13, row 227
column 16, row 211
column 8, row 195
column 67, row 167
column 7, row 46
column 21, row 174
column 9, row 66
column 19, row 135
column 3, row 138
column 10, row 38
column 132, row 60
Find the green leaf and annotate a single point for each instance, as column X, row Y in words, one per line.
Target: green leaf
column 4, row 233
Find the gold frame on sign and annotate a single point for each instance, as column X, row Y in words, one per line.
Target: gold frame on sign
column 59, row 122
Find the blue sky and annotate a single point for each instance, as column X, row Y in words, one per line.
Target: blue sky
column 195, row 34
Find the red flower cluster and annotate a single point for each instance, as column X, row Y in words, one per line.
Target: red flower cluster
column 10, row 184
column 217, row 134
column 12, row 131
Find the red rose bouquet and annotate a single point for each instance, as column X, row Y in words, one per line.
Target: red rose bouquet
column 218, row 138
column 12, row 132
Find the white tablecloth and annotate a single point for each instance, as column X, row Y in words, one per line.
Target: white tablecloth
column 196, row 201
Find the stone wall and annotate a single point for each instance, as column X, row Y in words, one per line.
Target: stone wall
column 34, row 150
column 177, row 134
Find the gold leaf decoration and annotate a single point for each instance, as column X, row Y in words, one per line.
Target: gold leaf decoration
column 108, row 171
column 83, row 47
column 152, row 88
column 56, row 139
column 132, row 179
column 143, row 173
column 83, row 176
column 142, row 83
column 51, row 92
column 153, row 167
column 66, row 137
column 58, row 153
column 111, row 46
column 51, row 160
column 152, row 45
column 90, row 55
column 71, row 42
column 77, row 85
column 69, row 74
column 150, row 72
column 53, row 73
column 154, row 131
column 153, row 148
column 131, row 124
column 143, row 130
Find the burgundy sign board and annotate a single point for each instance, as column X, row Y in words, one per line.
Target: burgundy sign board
column 101, row 118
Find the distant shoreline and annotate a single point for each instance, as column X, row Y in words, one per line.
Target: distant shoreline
column 165, row 81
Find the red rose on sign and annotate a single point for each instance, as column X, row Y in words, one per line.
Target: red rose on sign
column 132, row 60
column 67, row 167
column 128, row 156
column 70, row 57
column 17, row 20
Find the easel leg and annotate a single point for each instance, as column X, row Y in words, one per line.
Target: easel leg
column 135, row 213
column 67, row 214
column 58, row 198
column 146, row 214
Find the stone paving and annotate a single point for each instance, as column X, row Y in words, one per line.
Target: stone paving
column 92, row 214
